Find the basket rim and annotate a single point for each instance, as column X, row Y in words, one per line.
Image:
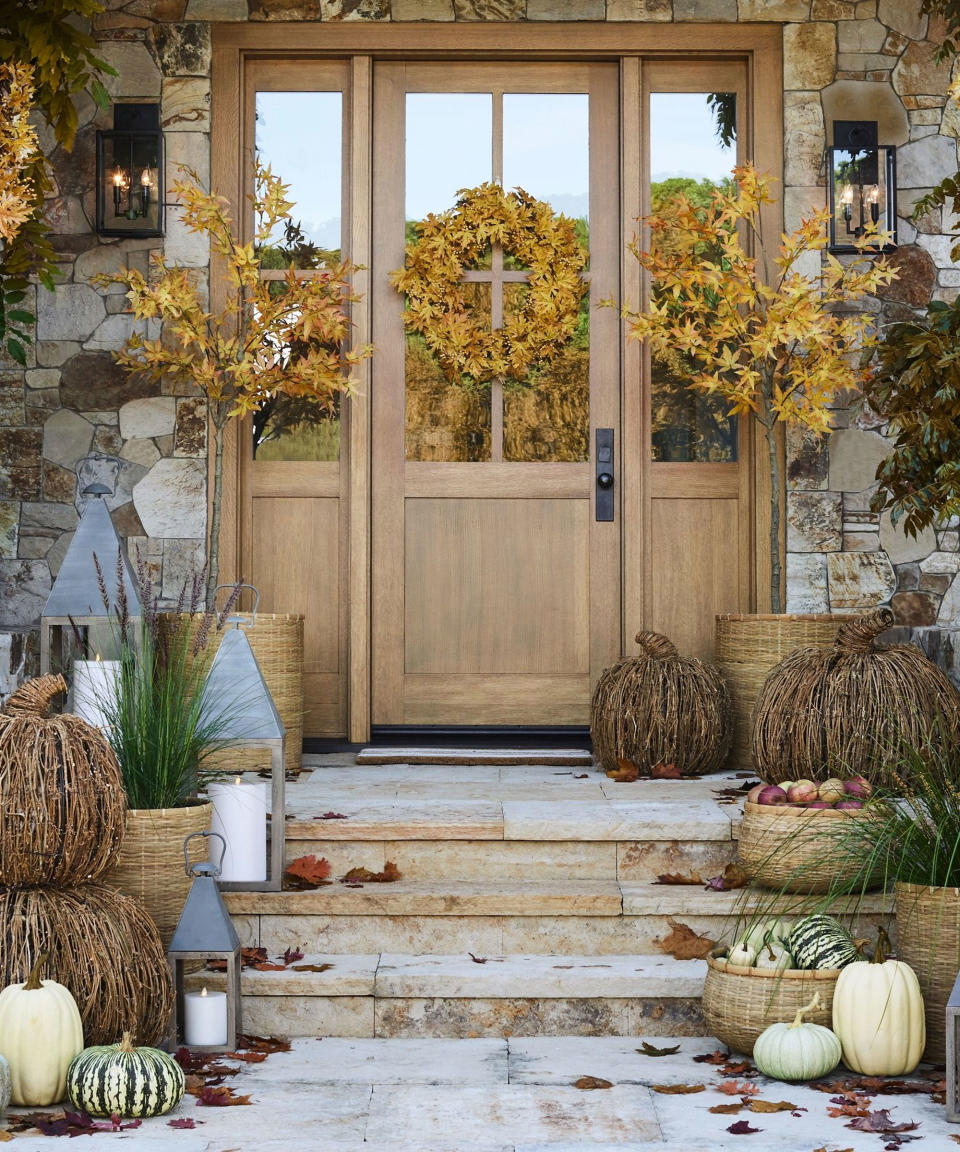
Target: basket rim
column 793, row 813
column 908, row 886
column 718, row 964
column 778, row 617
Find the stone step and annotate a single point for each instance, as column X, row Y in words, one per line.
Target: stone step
column 497, row 756
column 456, row 996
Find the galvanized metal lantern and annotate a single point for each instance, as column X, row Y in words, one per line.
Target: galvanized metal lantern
column 236, row 698
column 953, row 1052
column 130, row 182
column 76, row 600
column 205, row 932
column 862, row 179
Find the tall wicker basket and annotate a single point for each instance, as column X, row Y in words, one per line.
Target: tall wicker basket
column 748, row 646
column 928, row 939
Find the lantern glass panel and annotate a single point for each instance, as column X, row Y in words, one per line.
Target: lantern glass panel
column 862, row 194
column 129, row 194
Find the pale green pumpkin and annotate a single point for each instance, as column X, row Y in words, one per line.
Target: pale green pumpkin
column 4, row 1085
column 797, row 1051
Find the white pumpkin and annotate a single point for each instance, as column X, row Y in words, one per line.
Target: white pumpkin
column 774, row 956
column 742, row 955
column 766, row 932
column 797, row 1051
column 4, row 1085
column 40, row 1033
column 878, row 1015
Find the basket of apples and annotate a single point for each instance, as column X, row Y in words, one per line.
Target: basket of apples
column 782, row 843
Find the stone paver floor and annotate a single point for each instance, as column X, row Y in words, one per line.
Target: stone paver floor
column 491, row 1095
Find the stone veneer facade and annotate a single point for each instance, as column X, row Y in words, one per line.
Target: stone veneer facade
column 842, row 59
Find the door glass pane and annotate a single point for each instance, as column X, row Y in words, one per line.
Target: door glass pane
column 546, row 151
column 692, row 150
column 299, row 135
column 449, row 143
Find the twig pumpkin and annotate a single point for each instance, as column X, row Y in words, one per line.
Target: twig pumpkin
column 62, row 816
column 855, row 708
column 661, row 708
column 101, row 946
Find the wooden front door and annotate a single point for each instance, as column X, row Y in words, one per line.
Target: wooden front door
column 496, row 587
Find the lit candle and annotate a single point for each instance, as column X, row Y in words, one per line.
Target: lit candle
column 117, row 192
column 204, row 1018
column 144, row 191
column 240, row 817
column 95, row 685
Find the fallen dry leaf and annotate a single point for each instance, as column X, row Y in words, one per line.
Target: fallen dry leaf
column 220, row 1096
column 184, row 1122
column 389, row 874
column 677, row 1089
column 624, row 773
column 771, row 1106
column 733, row 876
column 249, row 957
column 849, row 1104
column 311, row 968
column 582, row 776
column 5, row 1136
column 71, row 1124
column 682, row 943
column 742, row 1068
column 292, row 955
column 717, row 1057
column 332, row 816
column 307, row 872
column 679, row 878
column 266, row 1044
column 247, row 1057
column 725, row 1109
column 955, row 1138
column 590, row 1083
column 880, row 1121
column 732, row 1088
column 665, row 772
column 742, row 1128
column 646, row 1049
column 268, row 967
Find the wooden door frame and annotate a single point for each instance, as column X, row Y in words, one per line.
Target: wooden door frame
column 758, row 45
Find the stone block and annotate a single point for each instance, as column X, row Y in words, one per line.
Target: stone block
column 171, row 499
column 814, row 521
column 24, row 588
column 807, row 582
column 915, row 609
column 57, row 517
column 867, row 100
column 861, row 541
column 66, row 438
column 187, row 152
column 774, row 9
column 107, row 439
column 906, row 19
column 833, row 10
column 9, row 528
column 154, row 416
column 949, row 614
column 52, row 353
column 181, row 246
column 489, row 9
column 41, row 378
column 900, row 547
column 808, row 461
column 185, row 104
column 916, row 276
column 181, row 49
column 354, row 9
column 939, row 248
column 809, row 55
column 190, row 436
column 859, row 579
column 59, row 484
column 142, row 452
column 860, row 35
column 855, row 455
column 917, row 71
column 562, row 10
column 422, row 9
column 923, row 163
column 70, row 312
column 908, row 578
column 94, row 382
column 803, row 138
column 127, row 522
column 182, row 560
column 216, row 10
column 138, row 76
column 639, row 10
column 706, row 10
column 116, row 329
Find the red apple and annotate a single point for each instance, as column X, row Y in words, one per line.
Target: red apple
column 818, row 804
column 849, row 804
column 832, row 790
column 772, row 795
column 858, row 787
column 754, row 793
column 802, row 791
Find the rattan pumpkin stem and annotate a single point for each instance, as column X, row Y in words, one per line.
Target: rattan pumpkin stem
column 655, row 645
column 801, row 1012
column 36, row 695
column 33, row 981
column 126, row 1044
column 859, row 634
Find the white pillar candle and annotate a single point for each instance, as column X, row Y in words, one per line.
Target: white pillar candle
column 94, row 684
column 240, row 817
column 205, row 1018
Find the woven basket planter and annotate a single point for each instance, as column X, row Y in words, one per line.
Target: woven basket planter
column 856, row 708
column 928, row 939
column 748, row 646
column 150, row 867
column 739, row 1003
column 102, row 946
column 62, row 801
column 790, row 849
column 661, row 708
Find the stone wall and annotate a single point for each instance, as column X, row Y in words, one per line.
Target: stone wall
column 842, row 59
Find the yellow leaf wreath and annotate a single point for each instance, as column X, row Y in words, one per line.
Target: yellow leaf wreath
column 455, row 240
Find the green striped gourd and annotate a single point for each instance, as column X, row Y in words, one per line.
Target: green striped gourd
column 4, row 1085
column 127, row 1081
column 821, row 942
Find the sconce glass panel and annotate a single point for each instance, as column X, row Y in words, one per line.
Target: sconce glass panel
column 863, row 192
column 130, row 174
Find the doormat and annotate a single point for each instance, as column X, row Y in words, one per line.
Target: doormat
column 564, row 757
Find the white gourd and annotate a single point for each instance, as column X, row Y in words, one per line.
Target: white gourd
column 774, row 956
column 40, row 1033
column 742, row 955
column 766, row 932
column 4, row 1086
column 797, row 1051
column 878, row 1015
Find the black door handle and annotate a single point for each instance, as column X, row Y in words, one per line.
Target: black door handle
column 605, row 480
column 604, row 474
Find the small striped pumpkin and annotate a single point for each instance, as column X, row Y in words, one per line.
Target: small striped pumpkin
column 821, row 942
column 123, row 1080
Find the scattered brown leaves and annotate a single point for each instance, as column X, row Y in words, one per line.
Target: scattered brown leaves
column 876, row 1085
column 742, row 1128
column 665, row 772
column 677, row 1089
column 591, row 1083
column 733, row 1088
column 880, row 1121
column 731, row 795
column 850, row 1104
column 219, row 1096
column 265, row 1044
column 311, row 967
column 65, row 1123
column 292, row 955
column 306, row 872
column 184, row 1122
column 733, row 876
column 771, row 1106
column 625, row 772
column 332, row 816
column 646, row 1049
column 679, row 878
column 682, row 943
column 717, row 1057
column 725, row 1109
column 389, row 874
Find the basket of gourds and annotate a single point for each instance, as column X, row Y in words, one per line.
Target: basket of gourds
column 770, row 973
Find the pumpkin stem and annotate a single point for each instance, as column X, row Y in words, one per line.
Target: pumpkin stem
column 770, row 955
column 859, row 633
column 33, row 980
column 801, row 1012
column 883, row 944
column 126, row 1044
column 656, row 646
column 34, row 697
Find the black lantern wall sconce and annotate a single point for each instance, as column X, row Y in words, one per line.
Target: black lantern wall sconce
column 130, row 183
column 862, row 180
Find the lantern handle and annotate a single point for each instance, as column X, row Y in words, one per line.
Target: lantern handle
column 253, row 589
column 205, row 834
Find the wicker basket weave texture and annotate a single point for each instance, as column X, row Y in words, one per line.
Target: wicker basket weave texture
column 150, row 867
column 739, row 1003
column 928, row 939
column 748, row 646
column 788, row 849
column 276, row 639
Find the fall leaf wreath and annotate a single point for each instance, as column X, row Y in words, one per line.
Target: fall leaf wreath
column 543, row 319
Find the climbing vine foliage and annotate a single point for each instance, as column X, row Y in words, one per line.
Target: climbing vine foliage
column 449, row 243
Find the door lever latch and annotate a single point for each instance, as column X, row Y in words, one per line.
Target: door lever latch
column 604, row 474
